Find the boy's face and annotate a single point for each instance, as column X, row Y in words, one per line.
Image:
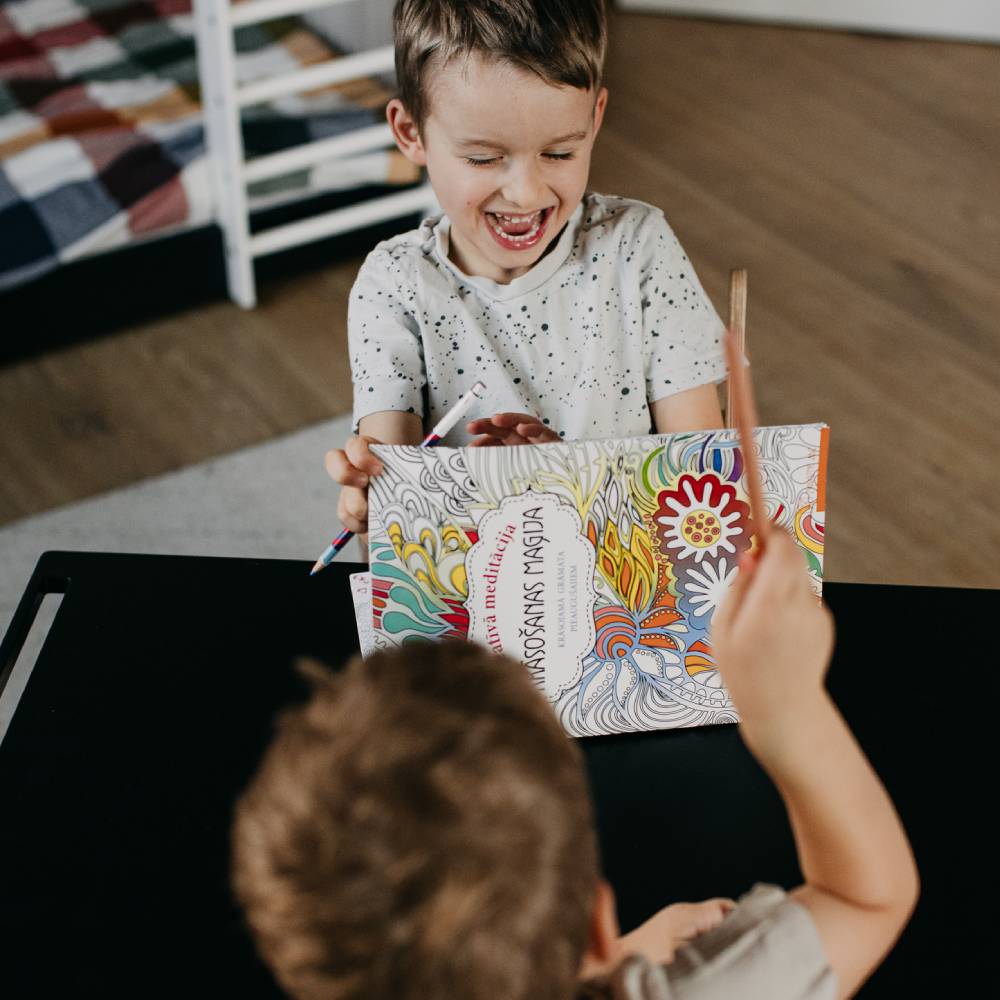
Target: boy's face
column 508, row 156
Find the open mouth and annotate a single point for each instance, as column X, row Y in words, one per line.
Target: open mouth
column 518, row 232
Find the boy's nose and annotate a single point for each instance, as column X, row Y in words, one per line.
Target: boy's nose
column 523, row 187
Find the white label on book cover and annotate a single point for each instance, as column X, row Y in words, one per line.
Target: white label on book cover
column 531, row 591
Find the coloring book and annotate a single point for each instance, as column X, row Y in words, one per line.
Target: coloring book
column 598, row 564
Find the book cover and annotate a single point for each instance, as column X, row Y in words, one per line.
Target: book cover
column 598, row 564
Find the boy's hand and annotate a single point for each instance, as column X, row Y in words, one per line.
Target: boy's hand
column 772, row 638
column 660, row 936
column 351, row 467
column 510, row 429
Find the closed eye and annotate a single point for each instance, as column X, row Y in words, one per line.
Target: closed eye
column 496, row 159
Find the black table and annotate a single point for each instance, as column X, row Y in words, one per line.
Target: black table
column 155, row 693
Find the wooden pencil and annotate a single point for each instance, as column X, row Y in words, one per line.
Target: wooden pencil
column 741, row 411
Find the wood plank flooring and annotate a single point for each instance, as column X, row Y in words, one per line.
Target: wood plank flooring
column 856, row 177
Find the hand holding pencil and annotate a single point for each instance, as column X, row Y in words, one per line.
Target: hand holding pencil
column 354, row 466
column 364, row 460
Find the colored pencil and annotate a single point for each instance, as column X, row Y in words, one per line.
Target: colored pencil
column 439, row 430
column 738, row 324
column 745, row 413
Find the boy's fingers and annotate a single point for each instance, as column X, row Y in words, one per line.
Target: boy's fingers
column 731, row 604
column 488, row 429
column 511, row 420
column 504, row 436
column 720, row 904
column 481, row 426
column 341, row 471
column 779, row 574
column 783, row 570
column 530, row 431
column 352, row 509
column 484, row 425
column 505, row 421
column 510, row 429
column 536, row 433
column 353, row 524
column 354, row 503
column 361, row 456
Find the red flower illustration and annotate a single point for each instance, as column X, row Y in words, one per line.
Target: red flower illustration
column 702, row 517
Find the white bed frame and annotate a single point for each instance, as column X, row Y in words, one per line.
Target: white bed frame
column 222, row 101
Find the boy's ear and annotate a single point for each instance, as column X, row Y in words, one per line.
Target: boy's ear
column 603, row 938
column 599, row 105
column 404, row 131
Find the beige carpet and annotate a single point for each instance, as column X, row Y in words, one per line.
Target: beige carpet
column 273, row 500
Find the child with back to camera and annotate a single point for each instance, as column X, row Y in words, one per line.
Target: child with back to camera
column 579, row 311
column 422, row 829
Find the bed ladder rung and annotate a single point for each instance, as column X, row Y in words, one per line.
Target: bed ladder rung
column 341, row 220
column 231, row 172
column 381, row 60
column 307, row 154
column 255, row 11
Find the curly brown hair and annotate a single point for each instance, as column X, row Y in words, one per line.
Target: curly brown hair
column 420, row 828
column 562, row 41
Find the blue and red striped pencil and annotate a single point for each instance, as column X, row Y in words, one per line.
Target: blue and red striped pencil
column 441, row 428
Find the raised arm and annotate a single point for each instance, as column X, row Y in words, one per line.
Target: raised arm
column 773, row 643
column 861, row 881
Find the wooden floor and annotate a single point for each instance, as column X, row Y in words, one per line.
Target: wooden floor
column 854, row 176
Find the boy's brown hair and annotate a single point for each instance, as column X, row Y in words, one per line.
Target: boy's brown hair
column 562, row 41
column 420, row 828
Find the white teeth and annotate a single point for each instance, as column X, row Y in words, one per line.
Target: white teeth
column 524, row 237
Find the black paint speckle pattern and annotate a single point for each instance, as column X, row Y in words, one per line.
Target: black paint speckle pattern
column 610, row 319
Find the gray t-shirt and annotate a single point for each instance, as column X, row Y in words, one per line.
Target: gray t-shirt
column 768, row 948
column 611, row 318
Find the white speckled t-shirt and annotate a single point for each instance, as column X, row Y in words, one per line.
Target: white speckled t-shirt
column 611, row 318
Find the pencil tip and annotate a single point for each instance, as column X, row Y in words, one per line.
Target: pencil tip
column 316, row 568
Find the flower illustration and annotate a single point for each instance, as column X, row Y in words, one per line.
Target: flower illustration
column 705, row 586
column 631, row 650
column 700, row 518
